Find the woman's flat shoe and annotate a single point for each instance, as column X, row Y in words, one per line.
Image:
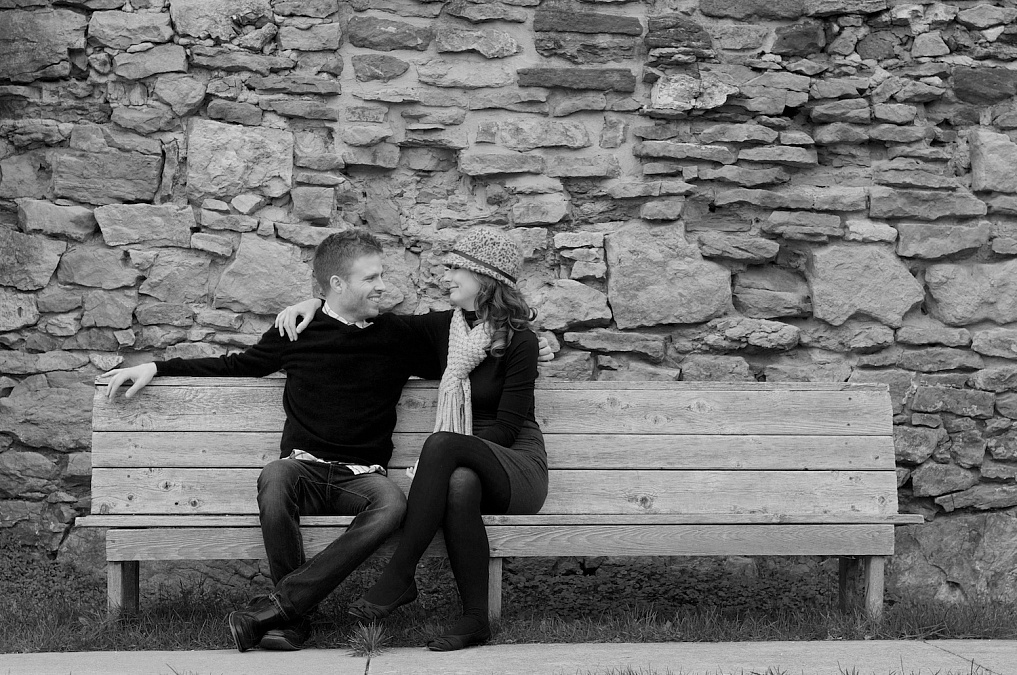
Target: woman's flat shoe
column 368, row 611
column 451, row 643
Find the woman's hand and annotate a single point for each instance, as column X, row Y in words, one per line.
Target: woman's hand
column 286, row 320
column 140, row 375
column 545, row 352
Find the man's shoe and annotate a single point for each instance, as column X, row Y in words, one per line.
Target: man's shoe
column 289, row 637
column 249, row 625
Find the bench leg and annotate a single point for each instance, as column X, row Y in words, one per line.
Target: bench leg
column 847, row 582
column 874, row 577
column 494, row 589
column 122, row 587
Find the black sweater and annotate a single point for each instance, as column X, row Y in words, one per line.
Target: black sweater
column 502, row 386
column 342, row 382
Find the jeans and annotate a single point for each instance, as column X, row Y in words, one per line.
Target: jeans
column 288, row 489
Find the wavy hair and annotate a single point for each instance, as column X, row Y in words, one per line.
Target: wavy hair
column 504, row 308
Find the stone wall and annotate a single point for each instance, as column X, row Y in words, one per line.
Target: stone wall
column 778, row 190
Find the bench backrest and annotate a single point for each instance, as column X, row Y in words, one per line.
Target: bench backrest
column 762, row 451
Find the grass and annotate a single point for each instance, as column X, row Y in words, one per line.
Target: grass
column 52, row 607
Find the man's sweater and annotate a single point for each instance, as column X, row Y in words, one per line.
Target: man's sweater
column 342, row 382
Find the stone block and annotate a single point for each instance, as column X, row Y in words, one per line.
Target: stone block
column 120, row 30
column 151, row 225
column 964, row 402
column 745, row 248
column 225, row 160
column 441, row 72
column 780, row 154
column 692, row 151
column 167, row 58
column 491, row 43
column 235, row 113
column 565, row 304
column 607, row 340
column 935, row 359
column 572, row 21
column 600, row 79
column 483, row 164
column 585, row 48
column 263, row 278
column 1001, row 342
column 861, row 280
column 657, row 277
column 540, row 210
column 993, row 157
column 37, row 216
column 933, row 479
column 319, row 37
column 34, row 44
column 923, row 204
column 963, row 294
column 385, row 35
column 203, row 19
column 770, row 292
column 106, row 177
column 27, row 261
column 178, row 275
column 17, row 310
column 935, row 240
column 527, row 134
column 43, row 417
column 705, row 368
column 914, row 445
column 745, row 9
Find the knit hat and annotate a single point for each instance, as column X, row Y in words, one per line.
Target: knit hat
column 488, row 252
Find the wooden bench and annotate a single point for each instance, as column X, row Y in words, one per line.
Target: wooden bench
column 636, row 469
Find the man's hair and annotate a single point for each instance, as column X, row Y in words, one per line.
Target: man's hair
column 335, row 255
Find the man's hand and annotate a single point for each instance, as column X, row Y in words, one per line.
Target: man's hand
column 545, row 353
column 286, row 320
column 140, row 375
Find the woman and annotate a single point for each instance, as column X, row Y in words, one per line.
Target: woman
column 487, row 452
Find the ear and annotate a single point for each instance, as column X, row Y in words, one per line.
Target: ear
column 336, row 283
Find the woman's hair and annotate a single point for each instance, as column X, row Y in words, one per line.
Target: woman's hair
column 504, row 308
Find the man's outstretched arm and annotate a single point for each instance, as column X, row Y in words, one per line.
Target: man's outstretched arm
column 140, row 375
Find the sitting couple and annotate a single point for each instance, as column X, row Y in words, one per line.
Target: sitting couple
column 344, row 377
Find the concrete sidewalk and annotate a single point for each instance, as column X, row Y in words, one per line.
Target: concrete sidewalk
column 939, row 657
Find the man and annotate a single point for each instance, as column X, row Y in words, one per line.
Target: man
column 344, row 378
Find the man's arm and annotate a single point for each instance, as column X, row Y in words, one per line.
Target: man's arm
column 140, row 375
column 261, row 359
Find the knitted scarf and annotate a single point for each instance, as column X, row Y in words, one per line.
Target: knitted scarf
column 467, row 347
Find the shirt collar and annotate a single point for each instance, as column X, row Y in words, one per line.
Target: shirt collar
column 329, row 312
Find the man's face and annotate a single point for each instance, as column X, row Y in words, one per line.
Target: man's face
column 359, row 296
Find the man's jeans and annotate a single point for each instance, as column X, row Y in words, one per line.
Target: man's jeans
column 288, row 489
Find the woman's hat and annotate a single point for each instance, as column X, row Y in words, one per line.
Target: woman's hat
column 489, row 252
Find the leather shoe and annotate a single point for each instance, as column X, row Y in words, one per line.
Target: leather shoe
column 365, row 610
column 249, row 625
column 453, row 642
column 289, row 637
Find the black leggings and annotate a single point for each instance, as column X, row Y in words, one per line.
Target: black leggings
column 458, row 478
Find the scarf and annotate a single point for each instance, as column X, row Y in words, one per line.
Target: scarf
column 467, row 347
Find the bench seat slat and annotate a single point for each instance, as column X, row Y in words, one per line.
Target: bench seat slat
column 529, row 541
column 233, row 491
column 144, row 521
column 646, row 411
column 565, row 451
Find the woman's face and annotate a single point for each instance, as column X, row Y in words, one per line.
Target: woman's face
column 463, row 288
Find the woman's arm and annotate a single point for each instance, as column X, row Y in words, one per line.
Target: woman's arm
column 516, row 399
column 286, row 320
